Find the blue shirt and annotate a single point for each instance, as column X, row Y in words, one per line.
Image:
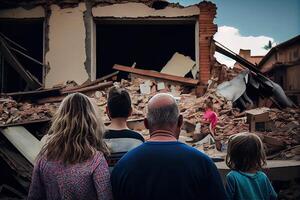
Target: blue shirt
column 166, row 170
column 246, row 186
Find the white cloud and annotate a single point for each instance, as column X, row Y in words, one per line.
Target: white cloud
column 231, row 38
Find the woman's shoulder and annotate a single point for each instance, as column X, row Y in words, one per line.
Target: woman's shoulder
column 98, row 159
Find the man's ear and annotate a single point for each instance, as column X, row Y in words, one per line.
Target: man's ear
column 180, row 121
column 130, row 112
column 107, row 112
column 146, row 123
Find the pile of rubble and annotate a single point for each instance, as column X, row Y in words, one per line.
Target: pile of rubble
column 12, row 112
column 281, row 142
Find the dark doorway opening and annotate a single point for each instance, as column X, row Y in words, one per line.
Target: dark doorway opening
column 29, row 34
column 150, row 44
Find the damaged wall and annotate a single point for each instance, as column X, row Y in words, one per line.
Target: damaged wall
column 69, row 52
column 134, row 10
column 20, row 13
column 66, row 55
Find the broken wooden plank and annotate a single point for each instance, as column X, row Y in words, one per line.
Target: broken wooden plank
column 89, row 88
column 40, row 121
column 33, row 95
column 103, row 78
column 28, row 145
column 51, row 99
column 158, row 75
column 32, row 82
column 99, row 80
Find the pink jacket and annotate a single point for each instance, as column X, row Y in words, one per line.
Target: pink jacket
column 212, row 117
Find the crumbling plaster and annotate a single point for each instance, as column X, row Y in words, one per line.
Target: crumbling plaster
column 20, row 13
column 135, row 10
column 66, row 55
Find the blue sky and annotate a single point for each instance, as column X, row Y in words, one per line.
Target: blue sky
column 278, row 19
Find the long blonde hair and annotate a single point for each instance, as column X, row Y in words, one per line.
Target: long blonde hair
column 76, row 132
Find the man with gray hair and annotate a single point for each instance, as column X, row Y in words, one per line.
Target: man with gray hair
column 164, row 168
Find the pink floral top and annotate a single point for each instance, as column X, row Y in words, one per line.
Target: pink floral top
column 87, row 180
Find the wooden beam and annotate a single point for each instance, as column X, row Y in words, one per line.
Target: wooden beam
column 39, row 121
column 89, row 88
column 99, row 80
column 158, row 75
column 33, row 95
column 32, row 82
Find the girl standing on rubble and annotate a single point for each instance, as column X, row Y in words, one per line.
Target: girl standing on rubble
column 71, row 165
column 211, row 117
column 246, row 157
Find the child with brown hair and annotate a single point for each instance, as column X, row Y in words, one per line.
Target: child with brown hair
column 72, row 165
column 246, row 157
column 211, row 117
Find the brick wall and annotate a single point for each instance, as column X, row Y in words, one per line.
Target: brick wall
column 207, row 29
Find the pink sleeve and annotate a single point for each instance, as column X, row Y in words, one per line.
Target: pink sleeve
column 101, row 179
column 206, row 115
column 214, row 119
column 36, row 191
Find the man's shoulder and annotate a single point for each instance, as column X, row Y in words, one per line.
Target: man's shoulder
column 125, row 133
column 170, row 148
column 195, row 152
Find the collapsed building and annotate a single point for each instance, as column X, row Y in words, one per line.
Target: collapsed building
column 50, row 49
column 80, row 41
column 282, row 64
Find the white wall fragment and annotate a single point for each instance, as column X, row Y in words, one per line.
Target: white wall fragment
column 161, row 86
column 179, row 65
column 66, row 55
column 135, row 10
column 145, row 88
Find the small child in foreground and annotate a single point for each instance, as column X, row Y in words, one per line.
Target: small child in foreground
column 246, row 157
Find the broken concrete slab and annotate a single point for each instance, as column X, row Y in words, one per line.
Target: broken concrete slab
column 24, row 141
column 178, row 65
column 157, row 75
column 137, row 10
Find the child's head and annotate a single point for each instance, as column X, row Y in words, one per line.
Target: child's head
column 209, row 104
column 76, row 132
column 118, row 103
column 245, row 152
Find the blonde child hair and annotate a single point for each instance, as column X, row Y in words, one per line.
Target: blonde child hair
column 245, row 152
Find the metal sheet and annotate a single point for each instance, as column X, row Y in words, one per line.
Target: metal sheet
column 234, row 88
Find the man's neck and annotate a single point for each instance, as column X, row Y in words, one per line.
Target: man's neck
column 118, row 124
column 162, row 135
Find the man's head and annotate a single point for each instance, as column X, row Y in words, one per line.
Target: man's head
column 163, row 114
column 118, row 103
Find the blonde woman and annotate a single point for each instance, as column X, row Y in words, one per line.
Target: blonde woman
column 72, row 165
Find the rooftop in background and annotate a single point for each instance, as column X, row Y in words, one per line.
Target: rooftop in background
column 246, row 53
column 266, row 64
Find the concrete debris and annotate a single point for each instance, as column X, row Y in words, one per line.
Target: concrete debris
column 12, row 112
column 179, row 65
column 282, row 134
column 281, row 139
